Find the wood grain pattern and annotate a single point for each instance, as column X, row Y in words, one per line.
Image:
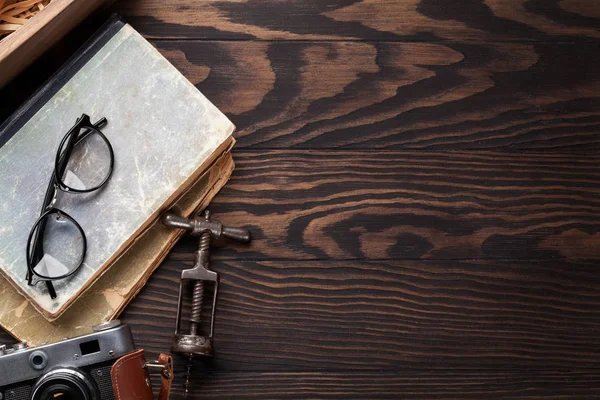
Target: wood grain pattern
column 331, row 313
column 402, row 385
column 408, row 205
column 508, row 96
column 420, row 20
column 422, row 180
column 389, row 315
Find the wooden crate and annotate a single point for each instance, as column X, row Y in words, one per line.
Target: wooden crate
column 23, row 46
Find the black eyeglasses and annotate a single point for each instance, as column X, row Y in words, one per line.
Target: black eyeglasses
column 57, row 244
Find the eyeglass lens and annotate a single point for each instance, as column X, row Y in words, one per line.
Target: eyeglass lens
column 63, row 246
column 89, row 162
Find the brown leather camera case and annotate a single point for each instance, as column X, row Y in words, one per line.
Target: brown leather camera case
column 131, row 380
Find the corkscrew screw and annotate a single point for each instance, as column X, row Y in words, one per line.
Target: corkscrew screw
column 193, row 343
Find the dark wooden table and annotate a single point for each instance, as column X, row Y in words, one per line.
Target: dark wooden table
column 422, row 180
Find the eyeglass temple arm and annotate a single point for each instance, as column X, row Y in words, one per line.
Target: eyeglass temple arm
column 98, row 125
column 61, row 161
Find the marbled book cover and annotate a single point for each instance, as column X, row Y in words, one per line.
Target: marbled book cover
column 164, row 133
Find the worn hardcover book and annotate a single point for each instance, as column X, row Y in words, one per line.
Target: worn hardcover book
column 109, row 295
column 164, row 134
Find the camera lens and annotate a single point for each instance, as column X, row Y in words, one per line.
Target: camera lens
column 65, row 384
column 61, row 392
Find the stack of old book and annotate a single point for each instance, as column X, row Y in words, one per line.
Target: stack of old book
column 171, row 151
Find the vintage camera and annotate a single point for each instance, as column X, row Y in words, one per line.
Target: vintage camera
column 78, row 368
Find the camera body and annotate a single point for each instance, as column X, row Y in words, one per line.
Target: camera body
column 77, row 368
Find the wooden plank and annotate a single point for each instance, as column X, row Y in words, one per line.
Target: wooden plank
column 422, row 20
column 508, row 96
column 388, row 315
column 400, row 385
column 407, row 205
column 22, row 47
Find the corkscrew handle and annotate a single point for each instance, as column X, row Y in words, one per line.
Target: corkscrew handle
column 241, row 235
column 199, row 225
column 175, row 221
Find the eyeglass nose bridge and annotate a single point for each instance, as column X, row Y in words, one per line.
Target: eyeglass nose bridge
column 50, row 205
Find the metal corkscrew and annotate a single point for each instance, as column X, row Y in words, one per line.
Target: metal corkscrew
column 194, row 343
